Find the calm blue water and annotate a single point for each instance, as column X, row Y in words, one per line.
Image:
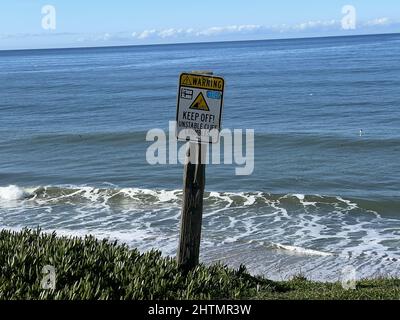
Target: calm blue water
column 72, row 150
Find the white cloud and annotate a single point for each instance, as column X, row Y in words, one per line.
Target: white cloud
column 168, row 33
column 219, row 32
column 378, row 22
column 314, row 25
column 213, row 31
column 146, row 33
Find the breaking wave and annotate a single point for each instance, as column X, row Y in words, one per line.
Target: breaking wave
column 267, row 232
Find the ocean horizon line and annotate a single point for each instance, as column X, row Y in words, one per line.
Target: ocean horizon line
column 202, row 42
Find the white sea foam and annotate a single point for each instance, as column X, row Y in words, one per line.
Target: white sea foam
column 301, row 197
column 146, row 219
column 250, row 200
column 302, row 251
column 12, row 193
column 351, row 205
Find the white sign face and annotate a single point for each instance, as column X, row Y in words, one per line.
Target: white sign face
column 200, row 101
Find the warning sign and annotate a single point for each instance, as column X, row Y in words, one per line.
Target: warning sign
column 200, row 102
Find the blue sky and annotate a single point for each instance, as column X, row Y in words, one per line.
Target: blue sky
column 126, row 22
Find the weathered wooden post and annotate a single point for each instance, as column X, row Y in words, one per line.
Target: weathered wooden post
column 194, row 178
column 200, row 100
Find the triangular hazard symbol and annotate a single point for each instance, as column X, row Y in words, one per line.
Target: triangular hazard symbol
column 186, row 81
column 200, row 103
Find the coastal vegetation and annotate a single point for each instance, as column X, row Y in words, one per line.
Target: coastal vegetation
column 89, row 268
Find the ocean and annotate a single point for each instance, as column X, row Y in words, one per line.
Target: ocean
column 325, row 191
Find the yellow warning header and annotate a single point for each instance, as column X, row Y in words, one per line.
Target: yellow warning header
column 201, row 82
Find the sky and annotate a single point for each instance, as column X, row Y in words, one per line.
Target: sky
column 31, row 24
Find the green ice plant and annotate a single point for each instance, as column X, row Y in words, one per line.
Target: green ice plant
column 88, row 268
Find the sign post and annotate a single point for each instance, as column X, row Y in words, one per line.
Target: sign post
column 199, row 110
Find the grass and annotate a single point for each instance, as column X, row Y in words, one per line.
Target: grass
column 88, row 268
column 300, row 288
